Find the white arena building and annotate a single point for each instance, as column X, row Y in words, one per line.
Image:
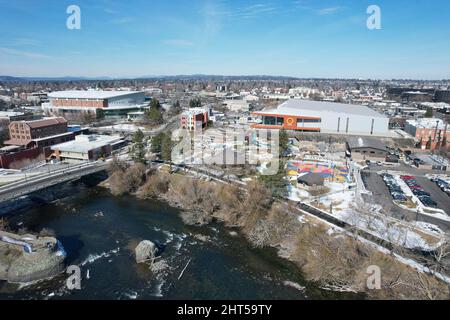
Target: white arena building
column 113, row 103
column 324, row 117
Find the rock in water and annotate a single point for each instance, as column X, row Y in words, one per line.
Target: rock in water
column 145, row 251
column 27, row 258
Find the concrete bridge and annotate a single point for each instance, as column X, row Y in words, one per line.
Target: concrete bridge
column 27, row 186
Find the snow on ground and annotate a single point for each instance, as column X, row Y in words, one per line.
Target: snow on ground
column 371, row 220
column 301, row 219
column 444, row 177
column 429, row 227
column 341, row 202
column 436, row 213
column 297, row 194
column 123, row 127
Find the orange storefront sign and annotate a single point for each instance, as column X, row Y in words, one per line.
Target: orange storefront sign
column 290, row 122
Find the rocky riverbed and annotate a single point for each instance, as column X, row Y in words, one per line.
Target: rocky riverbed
column 197, row 263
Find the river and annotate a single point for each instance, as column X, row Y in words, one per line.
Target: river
column 100, row 232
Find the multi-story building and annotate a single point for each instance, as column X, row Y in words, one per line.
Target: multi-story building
column 113, row 103
column 430, row 133
column 6, row 117
column 87, row 148
column 442, row 96
column 31, row 140
column 195, row 119
column 24, row 131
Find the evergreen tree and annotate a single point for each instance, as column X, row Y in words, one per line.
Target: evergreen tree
column 157, row 143
column 162, row 144
column 138, row 148
column 155, row 104
column 195, row 103
column 284, row 142
column 154, row 115
column 100, row 114
column 276, row 183
column 166, row 148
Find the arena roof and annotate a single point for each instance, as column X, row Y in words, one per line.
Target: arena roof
column 298, row 107
column 89, row 94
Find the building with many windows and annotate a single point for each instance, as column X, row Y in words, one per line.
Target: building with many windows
column 324, row 117
column 87, row 148
column 30, row 141
column 113, row 103
column 431, row 133
column 195, row 119
column 23, row 132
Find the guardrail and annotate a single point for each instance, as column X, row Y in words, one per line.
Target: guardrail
column 48, row 180
column 32, row 178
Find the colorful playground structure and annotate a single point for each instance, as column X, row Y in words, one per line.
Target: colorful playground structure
column 329, row 171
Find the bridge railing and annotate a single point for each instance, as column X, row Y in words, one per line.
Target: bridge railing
column 53, row 174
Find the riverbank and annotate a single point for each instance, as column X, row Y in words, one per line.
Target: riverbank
column 326, row 256
column 101, row 231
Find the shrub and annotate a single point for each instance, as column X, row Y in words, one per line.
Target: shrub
column 156, row 185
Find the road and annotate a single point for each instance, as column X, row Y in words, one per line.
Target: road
column 169, row 125
column 21, row 188
column 24, row 187
column 418, row 256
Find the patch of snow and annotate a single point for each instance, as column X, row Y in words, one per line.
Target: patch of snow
column 429, row 227
column 388, row 228
column 294, row 285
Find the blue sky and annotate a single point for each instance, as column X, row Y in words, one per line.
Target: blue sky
column 303, row 38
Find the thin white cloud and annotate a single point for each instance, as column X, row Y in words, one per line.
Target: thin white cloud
column 122, row 20
column 218, row 10
column 26, row 42
column 255, row 10
column 110, row 11
column 27, row 54
column 178, row 42
column 212, row 15
column 329, row 10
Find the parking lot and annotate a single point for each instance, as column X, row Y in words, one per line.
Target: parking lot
column 441, row 198
column 382, row 196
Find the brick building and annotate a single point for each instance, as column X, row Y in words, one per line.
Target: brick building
column 22, row 132
column 31, row 141
column 195, row 119
column 429, row 132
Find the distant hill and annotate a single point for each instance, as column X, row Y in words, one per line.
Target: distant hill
column 25, row 79
column 219, row 77
column 8, row 79
column 174, row 77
